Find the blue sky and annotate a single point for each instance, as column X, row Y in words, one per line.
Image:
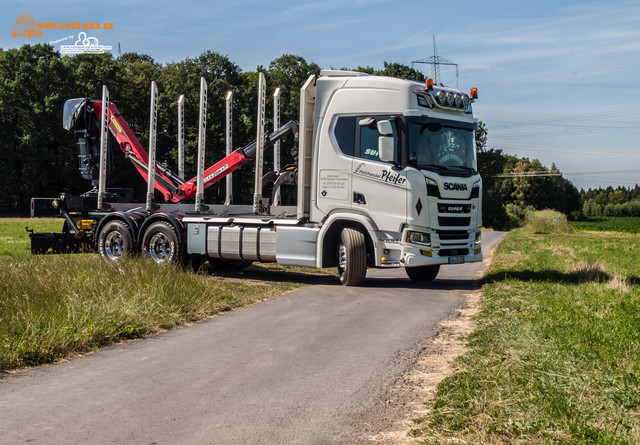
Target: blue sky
column 558, row 80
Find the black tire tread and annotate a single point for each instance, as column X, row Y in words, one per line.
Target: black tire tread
column 124, row 231
column 178, row 257
column 423, row 273
column 355, row 244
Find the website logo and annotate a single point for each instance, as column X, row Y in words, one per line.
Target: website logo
column 84, row 45
column 25, row 26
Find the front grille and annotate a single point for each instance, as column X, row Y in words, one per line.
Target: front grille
column 446, row 235
column 453, row 252
column 449, row 221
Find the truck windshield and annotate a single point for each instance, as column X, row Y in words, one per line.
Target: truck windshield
column 434, row 145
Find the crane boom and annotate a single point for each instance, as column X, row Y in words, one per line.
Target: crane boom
column 83, row 116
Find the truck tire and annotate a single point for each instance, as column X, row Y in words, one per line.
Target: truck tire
column 352, row 257
column 115, row 241
column 160, row 243
column 423, row 273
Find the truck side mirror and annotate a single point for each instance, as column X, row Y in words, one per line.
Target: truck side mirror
column 385, row 148
column 385, row 128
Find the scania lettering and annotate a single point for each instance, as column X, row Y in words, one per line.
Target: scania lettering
column 386, row 176
column 455, row 186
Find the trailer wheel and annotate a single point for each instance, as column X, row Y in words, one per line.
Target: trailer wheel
column 423, row 273
column 115, row 241
column 160, row 243
column 352, row 257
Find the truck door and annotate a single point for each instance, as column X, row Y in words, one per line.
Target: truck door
column 377, row 189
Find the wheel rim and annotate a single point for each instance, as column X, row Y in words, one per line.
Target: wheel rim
column 342, row 259
column 114, row 245
column 160, row 248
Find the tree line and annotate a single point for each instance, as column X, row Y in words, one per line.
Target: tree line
column 39, row 157
column 621, row 201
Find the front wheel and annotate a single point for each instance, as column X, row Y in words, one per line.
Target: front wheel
column 160, row 243
column 115, row 241
column 423, row 273
column 352, row 257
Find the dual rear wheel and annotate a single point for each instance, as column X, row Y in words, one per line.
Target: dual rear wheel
column 115, row 241
column 159, row 243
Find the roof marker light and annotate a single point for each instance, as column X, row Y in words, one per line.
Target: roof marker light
column 429, row 84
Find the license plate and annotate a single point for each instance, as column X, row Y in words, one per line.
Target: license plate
column 456, row 260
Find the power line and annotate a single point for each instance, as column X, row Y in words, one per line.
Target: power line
column 600, row 172
column 528, row 174
column 569, row 132
column 536, row 174
column 590, row 85
column 554, row 76
column 581, row 152
column 609, row 124
column 557, row 55
column 614, row 181
column 566, row 132
column 573, row 117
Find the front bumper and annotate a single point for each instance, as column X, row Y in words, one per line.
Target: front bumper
column 446, row 247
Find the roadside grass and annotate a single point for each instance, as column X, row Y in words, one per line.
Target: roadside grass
column 54, row 306
column 609, row 224
column 555, row 356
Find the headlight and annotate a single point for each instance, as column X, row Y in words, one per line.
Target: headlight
column 419, row 238
column 465, row 101
column 432, row 187
column 450, row 98
column 442, row 97
column 478, row 237
column 458, row 99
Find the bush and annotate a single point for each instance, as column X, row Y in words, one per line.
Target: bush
column 517, row 215
column 547, row 221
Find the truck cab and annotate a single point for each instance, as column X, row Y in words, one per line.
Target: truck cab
column 398, row 157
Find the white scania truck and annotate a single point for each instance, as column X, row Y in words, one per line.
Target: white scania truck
column 386, row 177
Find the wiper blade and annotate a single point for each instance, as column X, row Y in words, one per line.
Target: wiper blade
column 464, row 167
column 443, row 167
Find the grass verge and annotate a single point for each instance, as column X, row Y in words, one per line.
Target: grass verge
column 54, row 306
column 555, row 356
